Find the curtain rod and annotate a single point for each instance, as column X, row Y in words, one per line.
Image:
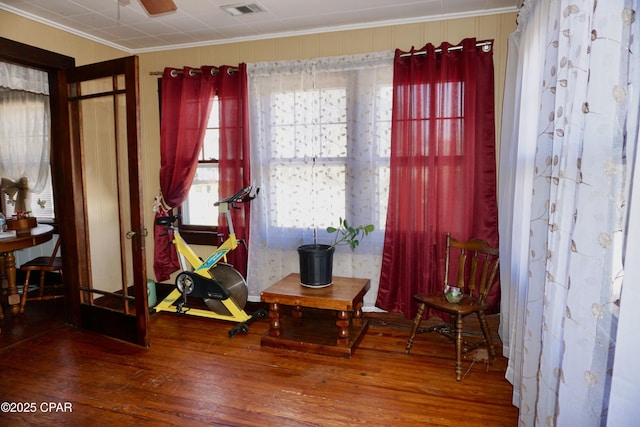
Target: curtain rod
column 486, row 47
column 174, row 73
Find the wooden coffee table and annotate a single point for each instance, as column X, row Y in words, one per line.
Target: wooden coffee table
column 324, row 320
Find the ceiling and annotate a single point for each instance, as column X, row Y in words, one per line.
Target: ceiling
column 125, row 24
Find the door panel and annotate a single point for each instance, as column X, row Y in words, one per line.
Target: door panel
column 104, row 112
column 70, row 194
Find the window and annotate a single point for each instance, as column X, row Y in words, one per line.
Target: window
column 199, row 216
column 298, row 164
column 24, row 141
column 311, row 155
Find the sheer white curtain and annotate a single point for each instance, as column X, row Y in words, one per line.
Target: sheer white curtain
column 567, row 162
column 517, row 152
column 320, row 151
column 24, row 131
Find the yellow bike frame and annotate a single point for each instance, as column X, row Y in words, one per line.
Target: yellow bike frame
column 202, row 268
column 199, row 266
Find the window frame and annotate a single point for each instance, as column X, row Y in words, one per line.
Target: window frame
column 199, row 234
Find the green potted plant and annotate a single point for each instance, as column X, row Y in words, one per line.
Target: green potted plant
column 316, row 260
column 348, row 235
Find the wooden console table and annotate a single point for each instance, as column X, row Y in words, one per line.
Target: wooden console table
column 320, row 329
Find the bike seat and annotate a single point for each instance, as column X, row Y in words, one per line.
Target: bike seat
column 166, row 220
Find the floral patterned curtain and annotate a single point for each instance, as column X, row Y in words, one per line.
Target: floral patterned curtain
column 319, row 151
column 569, row 145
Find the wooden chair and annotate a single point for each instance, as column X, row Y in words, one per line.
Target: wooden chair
column 42, row 264
column 477, row 269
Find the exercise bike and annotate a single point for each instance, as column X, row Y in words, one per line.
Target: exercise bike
column 221, row 287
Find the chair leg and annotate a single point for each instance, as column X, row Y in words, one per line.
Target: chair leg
column 25, row 290
column 458, row 335
column 414, row 329
column 487, row 334
column 41, row 291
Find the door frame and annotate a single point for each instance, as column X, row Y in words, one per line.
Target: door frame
column 66, row 174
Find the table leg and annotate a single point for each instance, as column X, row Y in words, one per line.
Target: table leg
column 357, row 314
column 296, row 316
column 297, row 312
column 343, row 323
column 13, row 297
column 275, row 328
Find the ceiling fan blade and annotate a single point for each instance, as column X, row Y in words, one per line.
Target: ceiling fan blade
column 155, row 7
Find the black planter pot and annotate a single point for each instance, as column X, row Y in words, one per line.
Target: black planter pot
column 316, row 265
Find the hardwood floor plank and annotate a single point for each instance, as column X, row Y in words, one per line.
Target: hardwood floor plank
column 194, row 374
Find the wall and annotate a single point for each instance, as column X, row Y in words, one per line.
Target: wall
column 496, row 27
column 32, row 33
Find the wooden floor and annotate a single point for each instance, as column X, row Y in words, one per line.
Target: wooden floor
column 194, row 374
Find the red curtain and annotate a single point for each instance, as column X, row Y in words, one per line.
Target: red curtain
column 187, row 97
column 443, row 167
column 234, row 164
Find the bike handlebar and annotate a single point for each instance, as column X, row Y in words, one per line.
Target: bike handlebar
column 242, row 196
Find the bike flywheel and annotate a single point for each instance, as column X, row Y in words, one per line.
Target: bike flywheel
column 229, row 278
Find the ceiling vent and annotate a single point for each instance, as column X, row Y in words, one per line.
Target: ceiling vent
column 242, row 9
